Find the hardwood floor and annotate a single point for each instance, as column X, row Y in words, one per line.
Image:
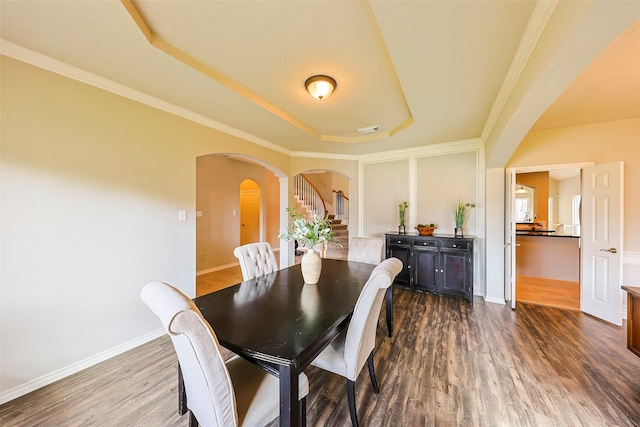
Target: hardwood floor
column 548, row 292
column 448, row 364
column 211, row 282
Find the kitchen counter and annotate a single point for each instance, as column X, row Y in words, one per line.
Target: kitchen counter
column 550, row 256
column 546, row 233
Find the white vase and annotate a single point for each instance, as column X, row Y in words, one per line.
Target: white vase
column 311, row 267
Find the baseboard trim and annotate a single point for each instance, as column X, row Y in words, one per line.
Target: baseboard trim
column 54, row 376
column 218, row 268
column 495, row 300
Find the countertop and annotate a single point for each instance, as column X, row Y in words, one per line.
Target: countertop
column 547, row 233
column 633, row 290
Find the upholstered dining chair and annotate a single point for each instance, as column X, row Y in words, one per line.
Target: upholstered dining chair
column 366, row 249
column 347, row 354
column 370, row 250
column 219, row 393
column 256, row 259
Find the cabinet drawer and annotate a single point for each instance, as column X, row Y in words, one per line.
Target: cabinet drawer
column 399, row 241
column 451, row 244
column 427, row 243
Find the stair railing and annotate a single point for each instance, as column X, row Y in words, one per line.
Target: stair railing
column 309, row 196
column 341, row 206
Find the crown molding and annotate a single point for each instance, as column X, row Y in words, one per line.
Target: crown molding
column 39, row 60
column 473, row 144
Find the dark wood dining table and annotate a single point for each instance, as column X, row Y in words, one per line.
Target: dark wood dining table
column 281, row 324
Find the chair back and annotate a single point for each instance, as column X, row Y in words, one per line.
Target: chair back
column 366, row 249
column 210, row 394
column 256, row 259
column 361, row 333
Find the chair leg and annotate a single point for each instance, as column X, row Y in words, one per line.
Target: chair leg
column 182, row 394
column 193, row 422
column 303, row 412
column 372, row 374
column 351, row 397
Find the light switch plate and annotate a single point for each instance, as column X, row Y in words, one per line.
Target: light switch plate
column 182, row 215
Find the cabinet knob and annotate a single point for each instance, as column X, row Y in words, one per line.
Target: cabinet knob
column 454, row 246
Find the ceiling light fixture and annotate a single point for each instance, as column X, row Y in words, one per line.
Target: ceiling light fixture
column 521, row 190
column 320, row 87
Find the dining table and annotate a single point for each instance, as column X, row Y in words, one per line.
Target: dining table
column 281, row 324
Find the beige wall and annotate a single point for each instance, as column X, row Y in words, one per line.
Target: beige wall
column 91, row 188
column 598, row 143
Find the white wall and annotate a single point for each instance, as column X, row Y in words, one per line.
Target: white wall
column 567, row 188
column 431, row 179
column 91, row 186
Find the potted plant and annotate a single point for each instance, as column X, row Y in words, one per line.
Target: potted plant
column 402, row 208
column 309, row 234
column 459, row 213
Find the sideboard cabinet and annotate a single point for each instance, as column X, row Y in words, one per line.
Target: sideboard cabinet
column 438, row 264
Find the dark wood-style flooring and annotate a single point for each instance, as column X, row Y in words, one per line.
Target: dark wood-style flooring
column 449, row 364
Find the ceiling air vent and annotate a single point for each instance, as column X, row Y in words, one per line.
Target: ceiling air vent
column 370, row 129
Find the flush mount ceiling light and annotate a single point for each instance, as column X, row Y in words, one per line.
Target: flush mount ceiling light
column 320, row 87
column 521, row 190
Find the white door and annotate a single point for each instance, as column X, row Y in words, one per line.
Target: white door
column 510, row 237
column 602, row 208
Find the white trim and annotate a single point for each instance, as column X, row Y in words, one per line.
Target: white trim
column 316, row 155
column 218, row 268
column 631, row 258
column 425, row 150
column 495, row 300
column 59, row 374
column 544, row 168
column 50, row 64
column 536, row 25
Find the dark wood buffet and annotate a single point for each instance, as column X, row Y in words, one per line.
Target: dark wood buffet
column 633, row 319
column 437, row 264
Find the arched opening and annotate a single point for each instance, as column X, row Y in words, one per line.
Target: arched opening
column 222, row 180
column 326, row 193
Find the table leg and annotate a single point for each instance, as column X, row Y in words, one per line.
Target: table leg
column 289, row 403
column 389, row 304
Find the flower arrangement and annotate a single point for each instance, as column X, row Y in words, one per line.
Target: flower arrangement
column 402, row 207
column 460, row 212
column 308, row 234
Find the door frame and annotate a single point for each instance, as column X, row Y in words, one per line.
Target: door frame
column 509, row 232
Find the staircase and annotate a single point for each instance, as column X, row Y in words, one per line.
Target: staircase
column 342, row 237
column 310, row 202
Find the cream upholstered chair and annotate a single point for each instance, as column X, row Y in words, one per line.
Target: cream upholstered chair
column 366, row 249
column 347, row 354
column 218, row 394
column 256, row 259
column 370, row 250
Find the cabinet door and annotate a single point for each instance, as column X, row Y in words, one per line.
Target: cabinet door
column 455, row 268
column 401, row 251
column 425, row 269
